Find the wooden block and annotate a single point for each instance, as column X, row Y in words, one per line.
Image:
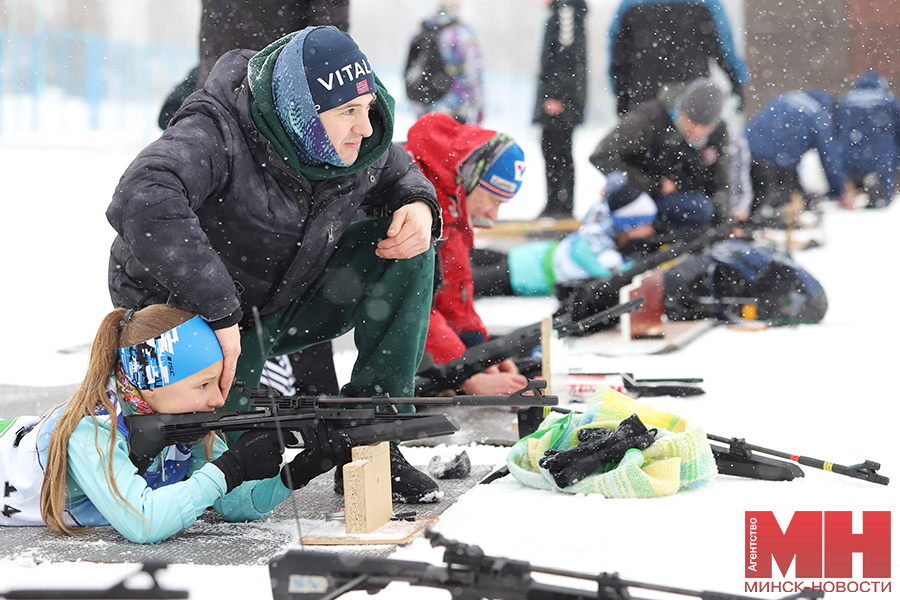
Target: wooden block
column 393, row 532
column 554, row 358
column 367, row 489
column 522, row 228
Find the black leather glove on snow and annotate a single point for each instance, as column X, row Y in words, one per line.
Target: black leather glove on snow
column 323, row 448
column 597, row 447
column 255, row 455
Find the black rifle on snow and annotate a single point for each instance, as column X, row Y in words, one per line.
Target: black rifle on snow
column 432, row 379
column 582, row 297
column 117, row 592
column 636, row 388
column 363, row 420
column 468, row 573
column 738, row 459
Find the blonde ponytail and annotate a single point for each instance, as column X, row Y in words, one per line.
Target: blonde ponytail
column 113, row 333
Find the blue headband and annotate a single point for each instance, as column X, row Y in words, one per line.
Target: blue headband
column 178, row 353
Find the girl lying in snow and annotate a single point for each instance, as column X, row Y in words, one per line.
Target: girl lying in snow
column 70, row 469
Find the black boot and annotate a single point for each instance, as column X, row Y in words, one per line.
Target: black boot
column 408, row 484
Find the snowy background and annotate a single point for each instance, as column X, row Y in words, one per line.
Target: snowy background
column 827, row 391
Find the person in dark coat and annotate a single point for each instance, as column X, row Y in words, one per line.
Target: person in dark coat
column 869, row 126
column 254, row 24
column 676, row 150
column 654, row 42
column 249, row 202
column 779, row 135
column 561, row 93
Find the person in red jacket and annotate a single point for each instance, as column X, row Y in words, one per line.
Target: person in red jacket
column 474, row 171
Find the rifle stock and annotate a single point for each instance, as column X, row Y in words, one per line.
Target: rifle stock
column 363, row 420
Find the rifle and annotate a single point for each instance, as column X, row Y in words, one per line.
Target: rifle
column 363, row 420
column 469, row 574
column 679, row 387
column 738, row 459
column 432, row 379
column 581, row 297
column 117, row 592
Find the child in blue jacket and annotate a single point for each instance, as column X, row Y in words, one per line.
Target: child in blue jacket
column 869, row 126
column 71, row 469
column 533, row 269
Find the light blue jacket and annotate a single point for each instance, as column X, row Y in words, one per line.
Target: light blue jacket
column 177, row 487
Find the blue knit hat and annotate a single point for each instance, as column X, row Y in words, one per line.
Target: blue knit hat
column 320, row 68
column 505, row 175
column 336, row 69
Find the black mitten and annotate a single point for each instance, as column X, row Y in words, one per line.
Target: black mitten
column 324, row 447
column 630, row 433
column 255, row 455
column 597, row 447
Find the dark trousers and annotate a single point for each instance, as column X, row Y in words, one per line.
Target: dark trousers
column 772, row 184
column 490, row 273
column 385, row 302
column 683, row 210
column 556, row 145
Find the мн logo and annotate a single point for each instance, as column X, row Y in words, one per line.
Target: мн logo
column 820, row 544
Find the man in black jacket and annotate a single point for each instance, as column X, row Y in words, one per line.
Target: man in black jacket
column 249, row 200
column 254, row 24
column 561, row 93
column 676, row 150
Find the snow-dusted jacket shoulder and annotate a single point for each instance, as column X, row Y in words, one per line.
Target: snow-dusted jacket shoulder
column 211, row 218
column 653, row 42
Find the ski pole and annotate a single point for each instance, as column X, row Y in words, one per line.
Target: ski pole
column 867, row 470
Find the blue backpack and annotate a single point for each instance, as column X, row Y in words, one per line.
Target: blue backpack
column 733, row 281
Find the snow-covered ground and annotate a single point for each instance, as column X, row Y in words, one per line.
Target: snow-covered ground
column 824, row 391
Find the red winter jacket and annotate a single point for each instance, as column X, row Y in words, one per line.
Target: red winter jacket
column 439, row 144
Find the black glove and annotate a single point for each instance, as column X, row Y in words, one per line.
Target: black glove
column 323, row 448
column 597, row 447
column 255, row 455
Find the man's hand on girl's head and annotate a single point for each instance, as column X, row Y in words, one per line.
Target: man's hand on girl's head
column 230, row 341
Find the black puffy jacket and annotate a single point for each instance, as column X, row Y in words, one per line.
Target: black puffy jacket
column 210, row 218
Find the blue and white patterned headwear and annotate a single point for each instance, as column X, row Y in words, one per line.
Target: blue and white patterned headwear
column 175, row 354
column 319, row 69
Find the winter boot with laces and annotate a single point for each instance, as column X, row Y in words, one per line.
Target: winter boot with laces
column 409, row 485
